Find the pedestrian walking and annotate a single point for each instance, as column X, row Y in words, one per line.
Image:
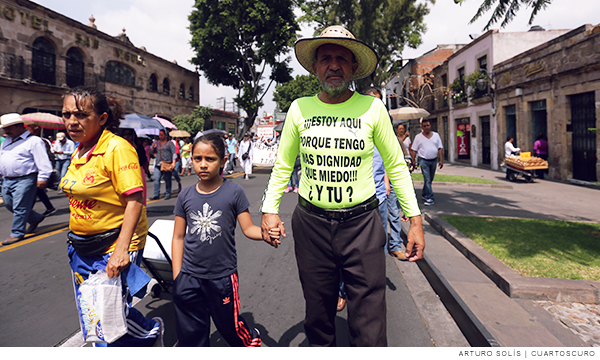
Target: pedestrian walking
column 389, row 206
column 164, row 164
column 232, row 150
column 25, row 167
column 336, row 224
column 428, row 146
column 540, row 149
column 205, row 277
column 245, row 154
column 63, row 150
column 186, row 163
column 52, row 180
column 108, row 224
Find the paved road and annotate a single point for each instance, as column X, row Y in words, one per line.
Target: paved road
column 38, row 308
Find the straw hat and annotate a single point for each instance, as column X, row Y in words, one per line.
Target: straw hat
column 365, row 56
column 13, row 119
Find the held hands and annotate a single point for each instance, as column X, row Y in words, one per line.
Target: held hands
column 272, row 229
column 274, row 236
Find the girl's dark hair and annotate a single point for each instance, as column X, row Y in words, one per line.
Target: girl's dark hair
column 100, row 103
column 213, row 140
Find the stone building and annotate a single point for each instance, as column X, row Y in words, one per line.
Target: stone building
column 43, row 53
column 554, row 89
column 472, row 122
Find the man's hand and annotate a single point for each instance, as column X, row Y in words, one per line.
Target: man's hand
column 441, row 164
column 416, row 241
column 42, row 184
column 270, row 221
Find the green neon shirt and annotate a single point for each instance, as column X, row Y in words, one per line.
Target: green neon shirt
column 336, row 143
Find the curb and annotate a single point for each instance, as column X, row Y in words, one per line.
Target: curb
column 477, row 299
column 442, row 183
column 508, row 280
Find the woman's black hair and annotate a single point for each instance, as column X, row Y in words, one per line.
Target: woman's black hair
column 213, row 140
column 101, row 104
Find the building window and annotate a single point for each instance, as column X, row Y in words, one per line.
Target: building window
column 221, row 125
column 461, row 73
column 191, row 93
column 166, row 87
column 43, row 62
column 153, row 83
column 181, row 91
column 483, row 64
column 74, row 68
column 119, row 73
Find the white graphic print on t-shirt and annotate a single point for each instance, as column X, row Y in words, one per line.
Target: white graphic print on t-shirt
column 205, row 223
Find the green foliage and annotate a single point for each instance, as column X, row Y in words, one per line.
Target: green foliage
column 458, row 91
column 471, row 83
column 302, row 85
column 538, row 248
column 454, row 179
column 507, row 9
column 386, row 25
column 193, row 122
column 239, row 43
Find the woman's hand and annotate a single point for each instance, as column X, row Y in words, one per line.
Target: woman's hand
column 118, row 262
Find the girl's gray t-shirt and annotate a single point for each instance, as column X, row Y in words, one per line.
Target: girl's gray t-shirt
column 209, row 242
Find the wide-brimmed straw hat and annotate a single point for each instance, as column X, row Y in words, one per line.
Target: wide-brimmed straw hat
column 365, row 56
column 13, row 119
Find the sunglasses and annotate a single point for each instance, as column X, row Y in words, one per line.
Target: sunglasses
column 78, row 115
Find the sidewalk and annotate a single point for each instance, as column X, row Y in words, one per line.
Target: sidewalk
column 496, row 306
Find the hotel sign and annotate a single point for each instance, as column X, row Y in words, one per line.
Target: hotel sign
column 131, row 57
column 17, row 15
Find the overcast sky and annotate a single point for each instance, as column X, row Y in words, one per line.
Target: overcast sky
column 162, row 27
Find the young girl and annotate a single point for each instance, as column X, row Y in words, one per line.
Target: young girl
column 204, row 257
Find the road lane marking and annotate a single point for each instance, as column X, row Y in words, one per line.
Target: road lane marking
column 36, row 237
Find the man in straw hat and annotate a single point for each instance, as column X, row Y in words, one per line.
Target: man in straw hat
column 25, row 167
column 336, row 224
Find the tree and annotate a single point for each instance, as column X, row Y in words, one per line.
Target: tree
column 386, row 25
column 302, row 85
column 193, row 122
column 238, row 42
column 507, row 9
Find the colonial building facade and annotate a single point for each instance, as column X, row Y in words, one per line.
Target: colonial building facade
column 43, row 53
column 472, row 122
column 554, row 89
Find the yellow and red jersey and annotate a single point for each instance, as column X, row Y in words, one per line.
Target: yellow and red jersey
column 97, row 184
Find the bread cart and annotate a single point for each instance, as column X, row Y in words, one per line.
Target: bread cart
column 523, row 165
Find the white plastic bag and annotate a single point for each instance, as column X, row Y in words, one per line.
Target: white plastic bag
column 102, row 308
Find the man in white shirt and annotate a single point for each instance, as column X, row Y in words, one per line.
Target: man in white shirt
column 63, row 149
column 428, row 145
column 25, row 167
column 509, row 148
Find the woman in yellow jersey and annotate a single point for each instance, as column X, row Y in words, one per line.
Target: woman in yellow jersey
column 108, row 224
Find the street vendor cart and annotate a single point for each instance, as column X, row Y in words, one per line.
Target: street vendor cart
column 523, row 165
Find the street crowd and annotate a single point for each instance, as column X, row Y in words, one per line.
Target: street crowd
column 340, row 228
